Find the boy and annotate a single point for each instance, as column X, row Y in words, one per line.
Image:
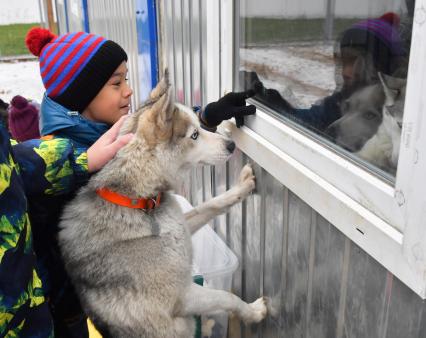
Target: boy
column 86, row 92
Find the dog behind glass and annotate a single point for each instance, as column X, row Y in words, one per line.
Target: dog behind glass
column 383, row 148
column 131, row 266
column 371, row 122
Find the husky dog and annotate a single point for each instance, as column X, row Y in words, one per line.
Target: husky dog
column 361, row 117
column 383, row 148
column 132, row 267
column 371, row 123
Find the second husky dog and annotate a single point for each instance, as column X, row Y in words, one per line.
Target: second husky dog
column 126, row 243
column 371, row 123
column 383, row 148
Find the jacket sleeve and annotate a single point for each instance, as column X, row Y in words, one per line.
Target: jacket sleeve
column 52, row 167
column 320, row 116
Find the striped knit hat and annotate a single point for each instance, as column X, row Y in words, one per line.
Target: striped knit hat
column 74, row 67
column 379, row 36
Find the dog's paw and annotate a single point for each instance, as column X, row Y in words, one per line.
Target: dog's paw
column 257, row 311
column 207, row 328
column 247, row 180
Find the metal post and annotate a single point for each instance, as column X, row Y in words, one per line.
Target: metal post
column 40, row 8
column 86, row 16
column 50, row 17
column 329, row 20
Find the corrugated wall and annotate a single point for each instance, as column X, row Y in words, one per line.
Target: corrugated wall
column 116, row 20
column 319, row 282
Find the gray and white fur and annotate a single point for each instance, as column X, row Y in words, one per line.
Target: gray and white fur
column 131, row 268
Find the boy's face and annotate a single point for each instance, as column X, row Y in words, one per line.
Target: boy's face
column 348, row 71
column 113, row 101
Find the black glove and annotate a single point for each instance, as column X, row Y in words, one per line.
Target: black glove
column 231, row 105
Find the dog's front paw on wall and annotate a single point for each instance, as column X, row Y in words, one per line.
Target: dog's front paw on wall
column 247, row 180
column 257, row 311
column 207, row 328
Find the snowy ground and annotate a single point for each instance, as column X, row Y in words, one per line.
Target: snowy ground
column 302, row 73
column 21, row 78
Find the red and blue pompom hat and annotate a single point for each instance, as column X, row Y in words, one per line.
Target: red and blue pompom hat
column 75, row 66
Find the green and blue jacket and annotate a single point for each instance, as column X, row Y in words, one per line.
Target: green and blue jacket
column 27, row 170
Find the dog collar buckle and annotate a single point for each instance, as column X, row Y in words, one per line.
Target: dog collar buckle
column 152, row 203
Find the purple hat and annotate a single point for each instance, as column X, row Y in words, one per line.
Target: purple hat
column 23, row 119
column 380, row 37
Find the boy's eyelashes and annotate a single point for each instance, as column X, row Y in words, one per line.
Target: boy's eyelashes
column 118, row 83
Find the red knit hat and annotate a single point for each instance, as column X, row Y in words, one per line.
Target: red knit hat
column 75, row 66
column 23, row 119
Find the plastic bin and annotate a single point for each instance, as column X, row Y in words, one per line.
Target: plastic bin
column 213, row 260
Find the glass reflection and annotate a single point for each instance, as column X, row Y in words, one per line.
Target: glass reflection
column 342, row 76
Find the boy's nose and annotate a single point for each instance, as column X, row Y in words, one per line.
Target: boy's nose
column 128, row 91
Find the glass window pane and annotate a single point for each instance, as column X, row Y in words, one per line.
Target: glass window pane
column 337, row 68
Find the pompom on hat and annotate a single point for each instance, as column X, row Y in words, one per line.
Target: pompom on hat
column 23, row 119
column 37, row 38
column 379, row 36
column 75, row 66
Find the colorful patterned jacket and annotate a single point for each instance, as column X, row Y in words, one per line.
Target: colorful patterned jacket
column 29, row 169
column 44, row 212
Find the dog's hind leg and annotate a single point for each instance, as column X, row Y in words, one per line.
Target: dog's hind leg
column 203, row 213
column 200, row 300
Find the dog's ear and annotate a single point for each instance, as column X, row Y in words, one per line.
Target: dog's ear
column 163, row 110
column 131, row 124
column 164, row 103
column 156, row 124
column 161, row 87
column 391, row 88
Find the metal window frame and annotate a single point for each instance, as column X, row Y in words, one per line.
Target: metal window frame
column 386, row 221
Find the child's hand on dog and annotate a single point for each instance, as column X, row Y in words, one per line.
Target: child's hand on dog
column 105, row 148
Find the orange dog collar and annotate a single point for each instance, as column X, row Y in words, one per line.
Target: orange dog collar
column 124, row 201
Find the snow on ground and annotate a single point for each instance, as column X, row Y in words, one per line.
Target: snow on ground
column 20, row 78
column 302, row 73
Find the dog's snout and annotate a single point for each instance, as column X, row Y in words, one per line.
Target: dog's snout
column 230, row 146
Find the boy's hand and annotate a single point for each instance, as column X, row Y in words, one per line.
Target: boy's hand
column 105, row 148
column 231, row 105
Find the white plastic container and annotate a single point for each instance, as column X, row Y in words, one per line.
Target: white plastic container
column 213, row 260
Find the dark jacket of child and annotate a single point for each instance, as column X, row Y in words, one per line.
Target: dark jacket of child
column 69, row 318
column 28, row 170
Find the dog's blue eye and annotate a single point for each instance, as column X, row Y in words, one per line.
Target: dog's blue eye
column 194, row 135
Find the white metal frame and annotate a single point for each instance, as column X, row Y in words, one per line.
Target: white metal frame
column 388, row 222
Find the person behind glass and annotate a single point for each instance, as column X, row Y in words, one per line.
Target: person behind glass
column 85, row 76
column 29, row 169
column 364, row 49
